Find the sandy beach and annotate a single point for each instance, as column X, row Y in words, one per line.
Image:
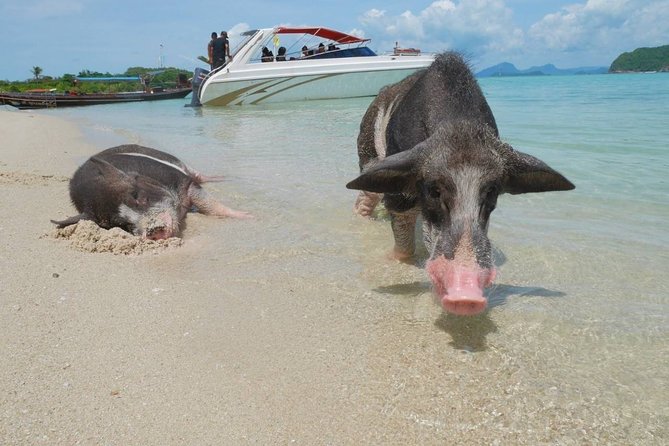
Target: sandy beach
column 153, row 349
column 223, row 340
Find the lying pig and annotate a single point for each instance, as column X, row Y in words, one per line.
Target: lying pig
column 429, row 145
column 141, row 190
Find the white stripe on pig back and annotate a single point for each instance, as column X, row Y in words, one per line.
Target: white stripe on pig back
column 380, row 126
column 167, row 163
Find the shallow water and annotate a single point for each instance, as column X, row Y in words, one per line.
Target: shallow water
column 575, row 346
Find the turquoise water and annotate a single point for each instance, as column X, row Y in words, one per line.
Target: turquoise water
column 581, row 304
column 607, row 133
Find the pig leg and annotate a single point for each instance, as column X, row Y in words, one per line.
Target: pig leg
column 200, row 178
column 404, row 226
column 208, row 205
column 366, row 202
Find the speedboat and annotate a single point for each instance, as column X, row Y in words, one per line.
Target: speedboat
column 274, row 65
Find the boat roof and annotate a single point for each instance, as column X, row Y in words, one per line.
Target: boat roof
column 325, row 33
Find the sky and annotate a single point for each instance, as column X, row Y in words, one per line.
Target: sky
column 69, row 36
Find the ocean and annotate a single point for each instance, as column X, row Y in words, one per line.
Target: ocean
column 577, row 336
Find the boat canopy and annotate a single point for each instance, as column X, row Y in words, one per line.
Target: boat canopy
column 324, row 33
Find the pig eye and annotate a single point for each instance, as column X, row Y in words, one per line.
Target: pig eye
column 490, row 192
column 140, row 198
column 489, row 197
column 433, row 191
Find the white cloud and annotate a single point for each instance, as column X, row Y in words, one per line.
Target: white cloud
column 468, row 25
column 373, row 14
column 604, row 24
column 239, row 28
column 357, row 32
column 591, row 32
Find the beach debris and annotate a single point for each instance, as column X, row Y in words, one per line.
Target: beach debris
column 141, row 190
column 429, row 146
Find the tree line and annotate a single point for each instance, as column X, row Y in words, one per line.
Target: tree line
column 159, row 77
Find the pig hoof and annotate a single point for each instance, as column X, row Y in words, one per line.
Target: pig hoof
column 400, row 256
column 363, row 212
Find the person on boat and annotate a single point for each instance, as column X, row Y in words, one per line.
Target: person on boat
column 305, row 51
column 321, row 48
column 267, row 55
column 227, row 45
column 281, row 54
column 210, row 49
column 221, row 49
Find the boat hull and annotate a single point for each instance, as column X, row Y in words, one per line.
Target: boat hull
column 41, row 100
column 307, row 80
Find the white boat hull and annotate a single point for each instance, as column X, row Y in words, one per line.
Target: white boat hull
column 307, row 80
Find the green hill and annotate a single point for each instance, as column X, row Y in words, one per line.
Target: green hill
column 642, row 59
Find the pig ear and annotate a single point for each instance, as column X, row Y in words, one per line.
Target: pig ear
column 393, row 174
column 530, row 174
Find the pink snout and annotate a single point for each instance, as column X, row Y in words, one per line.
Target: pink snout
column 159, row 234
column 161, row 227
column 460, row 288
column 464, row 305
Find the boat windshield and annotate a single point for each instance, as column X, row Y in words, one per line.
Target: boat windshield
column 237, row 41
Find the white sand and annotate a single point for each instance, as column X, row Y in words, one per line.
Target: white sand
column 214, row 343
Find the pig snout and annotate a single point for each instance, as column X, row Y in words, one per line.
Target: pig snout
column 161, row 226
column 460, row 287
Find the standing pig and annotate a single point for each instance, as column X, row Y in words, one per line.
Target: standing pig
column 430, row 145
column 141, row 190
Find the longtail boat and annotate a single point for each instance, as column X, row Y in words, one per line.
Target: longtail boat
column 51, row 99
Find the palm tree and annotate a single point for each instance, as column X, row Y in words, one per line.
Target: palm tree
column 36, row 71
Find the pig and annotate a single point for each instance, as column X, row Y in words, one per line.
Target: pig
column 141, row 190
column 429, row 146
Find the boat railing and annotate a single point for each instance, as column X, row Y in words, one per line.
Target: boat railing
column 330, row 52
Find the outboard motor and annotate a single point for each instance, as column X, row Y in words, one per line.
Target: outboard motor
column 198, row 78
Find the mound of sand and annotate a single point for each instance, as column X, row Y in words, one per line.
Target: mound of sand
column 89, row 237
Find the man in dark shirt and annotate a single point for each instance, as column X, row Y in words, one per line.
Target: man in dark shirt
column 221, row 48
column 210, row 49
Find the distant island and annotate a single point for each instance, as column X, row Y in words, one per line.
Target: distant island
column 642, row 60
column 508, row 69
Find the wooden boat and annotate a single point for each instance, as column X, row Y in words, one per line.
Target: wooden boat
column 51, row 99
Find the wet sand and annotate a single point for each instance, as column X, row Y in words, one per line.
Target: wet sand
column 228, row 339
